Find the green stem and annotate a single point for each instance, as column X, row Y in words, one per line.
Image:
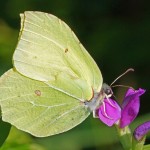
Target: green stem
column 125, row 137
column 138, row 145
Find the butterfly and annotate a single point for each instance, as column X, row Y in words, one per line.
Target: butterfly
column 55, row 84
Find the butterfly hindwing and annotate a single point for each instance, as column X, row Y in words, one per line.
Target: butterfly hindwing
column 34, row 107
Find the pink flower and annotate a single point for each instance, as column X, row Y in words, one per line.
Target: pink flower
column 110, row 112
column 141, row 130
column 130, row 106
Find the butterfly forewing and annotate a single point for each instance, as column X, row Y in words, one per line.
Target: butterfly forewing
column 47, row 47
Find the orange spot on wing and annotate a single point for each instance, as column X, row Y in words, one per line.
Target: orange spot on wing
column 37, row 92
column 66, row 50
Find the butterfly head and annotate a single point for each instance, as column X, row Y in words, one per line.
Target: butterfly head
column 106, row 89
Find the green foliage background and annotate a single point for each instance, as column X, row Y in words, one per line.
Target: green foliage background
column 117, row 35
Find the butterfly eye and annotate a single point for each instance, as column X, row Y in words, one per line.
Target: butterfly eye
column 108, row 91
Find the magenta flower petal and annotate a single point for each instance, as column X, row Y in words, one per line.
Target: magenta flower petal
column 109, row 112
column 141, row 130
column 131, row 91
column 130, row 106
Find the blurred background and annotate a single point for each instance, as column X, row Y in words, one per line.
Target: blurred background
column 117, row 35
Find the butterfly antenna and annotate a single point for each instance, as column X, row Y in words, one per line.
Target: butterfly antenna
column 126, row 86
column 128, row 70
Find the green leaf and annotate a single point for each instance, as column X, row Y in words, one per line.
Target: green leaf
column 125, row 137
column 89, row 134
column 18, row 140
column 146, row 147
column 8, row 39
column 4, row 131
column 92, row 133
